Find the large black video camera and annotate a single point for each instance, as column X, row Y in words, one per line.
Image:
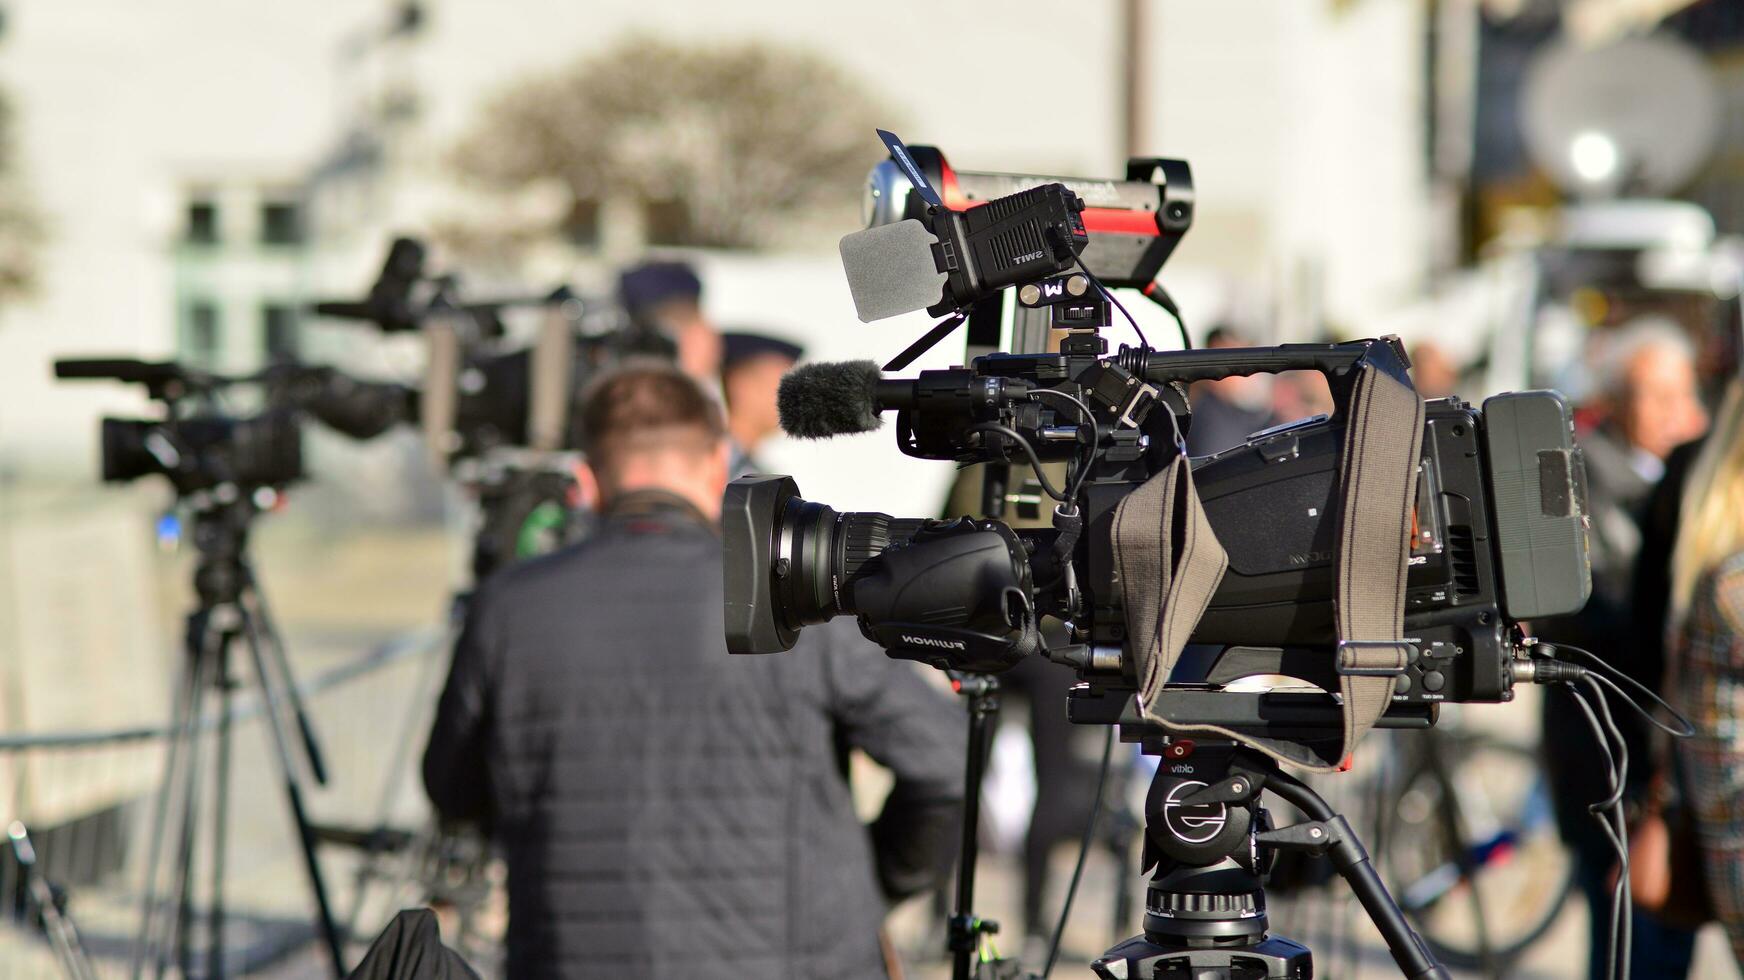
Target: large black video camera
column 199, row 446
column 1487, row 529
column 960, row 594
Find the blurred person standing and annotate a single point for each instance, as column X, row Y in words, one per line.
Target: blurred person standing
column 1650, row 404
column 667, row 809
column 667, row 297
column 1705, row 677
column 1299, row 395
column 752, row 366
column 1228, row 410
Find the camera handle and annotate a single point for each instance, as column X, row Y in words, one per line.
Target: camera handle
column 1212, row 363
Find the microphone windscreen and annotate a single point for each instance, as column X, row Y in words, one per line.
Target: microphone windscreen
column 891, row 270
column 817, row 401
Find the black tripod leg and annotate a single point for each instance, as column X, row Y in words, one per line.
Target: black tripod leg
column 275, row 649
column 294, row 795
column 220, row 814
column 965, row 933
column 1352, row 863
column 185, row 852
column 183, row 718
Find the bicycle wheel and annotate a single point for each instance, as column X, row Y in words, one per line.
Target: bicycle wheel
column 1472, row 852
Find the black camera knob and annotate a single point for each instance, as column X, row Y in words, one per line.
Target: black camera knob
column 1193, row 834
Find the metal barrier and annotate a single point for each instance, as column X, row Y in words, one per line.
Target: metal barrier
column 371, row 713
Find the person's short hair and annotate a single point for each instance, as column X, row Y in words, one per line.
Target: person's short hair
column 647, row 406
column 1630, row 341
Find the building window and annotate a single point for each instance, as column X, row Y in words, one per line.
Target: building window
column 582, row 226
column 668, row 223
column 203, row 328
column 281, row 223
column 202, row 222
column 278, row 323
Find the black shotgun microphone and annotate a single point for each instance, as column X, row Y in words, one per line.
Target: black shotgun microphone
column 817, row 401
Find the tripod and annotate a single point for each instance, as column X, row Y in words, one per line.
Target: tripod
column 230, row 607
column 967, row 931
column 1210, row 843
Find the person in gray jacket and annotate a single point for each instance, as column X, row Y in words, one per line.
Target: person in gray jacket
column 666, row 809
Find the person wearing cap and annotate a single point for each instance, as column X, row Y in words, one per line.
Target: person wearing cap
column 667, row 296
column 752, row 366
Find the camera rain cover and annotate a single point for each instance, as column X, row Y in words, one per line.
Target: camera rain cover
column 1170, row 562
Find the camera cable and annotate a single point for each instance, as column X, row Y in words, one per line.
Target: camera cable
column 1109, row 296
column 1613, row 678
column 1588, row 685
column 1083, row 468
column 1609, row 814
column 1160, row 296
column 1083, row 853
column 1029, row 450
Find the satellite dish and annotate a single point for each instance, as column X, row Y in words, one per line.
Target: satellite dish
column 1635, row 117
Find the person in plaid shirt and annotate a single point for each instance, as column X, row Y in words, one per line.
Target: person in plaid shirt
column 1705, row 673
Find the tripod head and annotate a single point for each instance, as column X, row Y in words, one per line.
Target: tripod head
column 1209, row 843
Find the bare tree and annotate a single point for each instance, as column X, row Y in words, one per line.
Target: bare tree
column 720, row 142
column 20, row 227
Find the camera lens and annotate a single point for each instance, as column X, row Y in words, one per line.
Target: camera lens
column 125, row 454
column 823, row 551
column 790, row 563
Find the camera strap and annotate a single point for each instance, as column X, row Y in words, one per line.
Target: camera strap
column 1383, row 443
column 1162, row 526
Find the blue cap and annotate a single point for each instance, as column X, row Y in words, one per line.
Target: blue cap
column 652, row 283
column 742, row 346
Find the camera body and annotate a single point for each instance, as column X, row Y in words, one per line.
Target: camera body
column 203, row 451
column 483, row 390
column 979, row 586
column 497, row 394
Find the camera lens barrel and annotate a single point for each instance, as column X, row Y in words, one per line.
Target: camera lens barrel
column 822, row 550
column 791, row 562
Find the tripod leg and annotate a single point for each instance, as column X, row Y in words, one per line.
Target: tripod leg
column 983, row 710
column 220, row 814
column 294, row 795
column 186, row 857
column 184, row 717
column 275, row 651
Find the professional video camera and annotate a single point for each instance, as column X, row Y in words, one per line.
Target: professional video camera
column 482, row 389
column 198, row 446
column 226, row 469
column 1385, row 555
column 1490, row 521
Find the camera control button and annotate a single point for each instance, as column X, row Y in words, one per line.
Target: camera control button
column 1434, row 681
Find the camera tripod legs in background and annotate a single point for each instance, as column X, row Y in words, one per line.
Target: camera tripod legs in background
column 167, row 921
column 57, row 924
